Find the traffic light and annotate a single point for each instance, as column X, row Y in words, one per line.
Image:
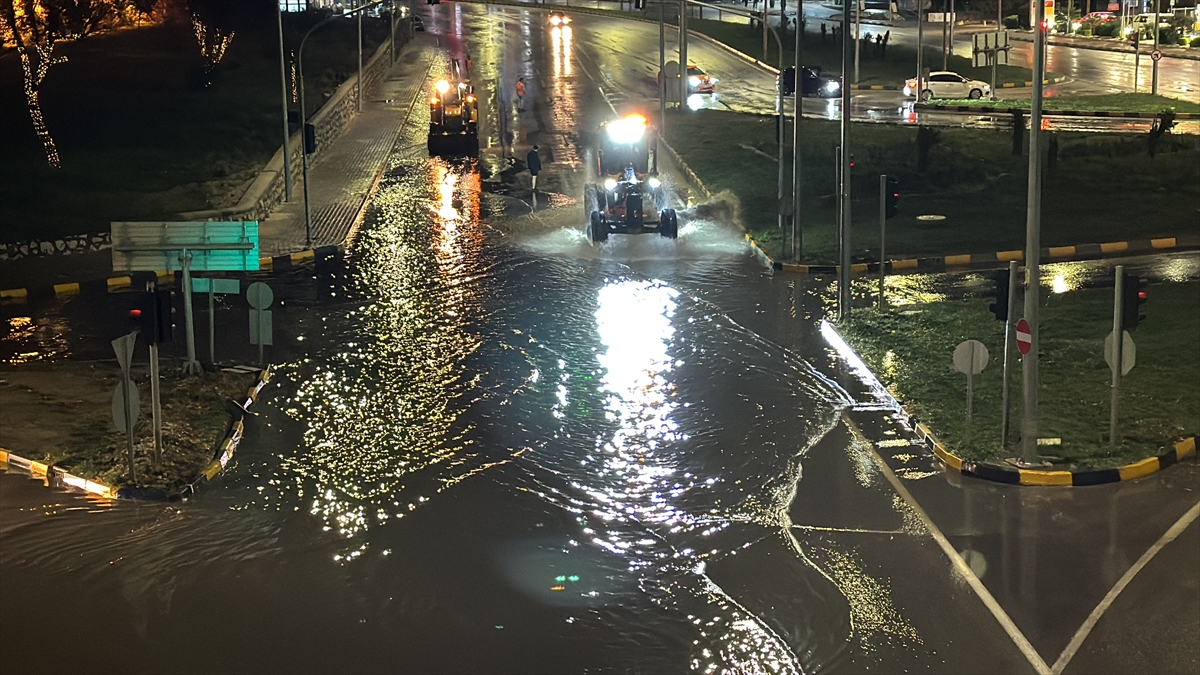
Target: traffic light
column 1132, row 297
column 893, row 200
column 150, row 314
column 999, row 306
column 787, row 81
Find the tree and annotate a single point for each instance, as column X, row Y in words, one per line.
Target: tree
column 35, row 29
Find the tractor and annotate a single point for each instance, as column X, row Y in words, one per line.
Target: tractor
column 454, row 115
column 630, row 199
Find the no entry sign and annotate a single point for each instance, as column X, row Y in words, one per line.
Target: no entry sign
column 1024, row 336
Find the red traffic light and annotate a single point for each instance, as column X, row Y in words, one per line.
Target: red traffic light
column 135, row 313
column 1141, row 295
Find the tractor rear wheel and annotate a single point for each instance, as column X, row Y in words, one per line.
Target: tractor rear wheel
column 598, row 229
column 668, row 224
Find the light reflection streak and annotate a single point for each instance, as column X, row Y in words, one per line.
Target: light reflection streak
column 382, row 432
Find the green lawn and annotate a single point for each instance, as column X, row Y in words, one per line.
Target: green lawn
column 909, row 348
column 138, row 131
column 969, row 175
column 1115, row 102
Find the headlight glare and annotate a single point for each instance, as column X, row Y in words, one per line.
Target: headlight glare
column 610, row 184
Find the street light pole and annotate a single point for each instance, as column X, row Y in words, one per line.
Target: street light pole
column 358, row 82
column 1154, row 71
column 857, row 35
column 797, row 114
column 1033, row 243
column 662, row 75
column 283, row 91
column 844, row 184
column 304, row 112
column 920, row 46
column 682, row 53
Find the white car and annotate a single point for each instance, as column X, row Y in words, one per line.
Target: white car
column 945, row 84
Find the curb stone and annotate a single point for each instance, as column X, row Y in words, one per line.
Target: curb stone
column 1032, row 477
column 53, row 476
column 266, row 265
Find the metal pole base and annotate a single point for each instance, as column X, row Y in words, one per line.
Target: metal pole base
column 192, row 368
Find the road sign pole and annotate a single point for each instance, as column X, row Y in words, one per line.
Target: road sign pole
column 126, row 395
column 882, row 236
column 191, row 366
column 155, row 402
column 683, row 55
column 1118, row 339
column 1012, row 296
column 1033, row 244
column 857, row 35
column 920, row 44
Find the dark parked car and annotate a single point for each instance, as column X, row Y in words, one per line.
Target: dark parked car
column 815, row 82
column 417, row 24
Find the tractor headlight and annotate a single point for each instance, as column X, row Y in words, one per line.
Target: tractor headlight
column 832, row 86
column 654, row 182
column 610, row 184
column 443, row 86
column 693, row 81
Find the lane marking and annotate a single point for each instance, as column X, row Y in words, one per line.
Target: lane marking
column 1169, row 536
column 956, row 560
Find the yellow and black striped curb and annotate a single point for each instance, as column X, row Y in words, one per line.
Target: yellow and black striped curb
column 53, row 476
column 1051, row 253
column 232, row 438
column 1012, row 475
column 1015, row 476
column 269, row 265
column 1051, row 113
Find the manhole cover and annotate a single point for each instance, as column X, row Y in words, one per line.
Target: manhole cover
column 931, row 217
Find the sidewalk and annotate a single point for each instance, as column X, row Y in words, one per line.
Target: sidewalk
column 344, row 174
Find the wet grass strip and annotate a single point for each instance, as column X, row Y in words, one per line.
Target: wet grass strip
column 1149, row 103
column 968, row 180
column 909, row 347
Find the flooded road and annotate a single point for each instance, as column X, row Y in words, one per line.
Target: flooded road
column 491, row 446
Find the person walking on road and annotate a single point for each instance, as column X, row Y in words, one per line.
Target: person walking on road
column 533, row 162
column 521, row 94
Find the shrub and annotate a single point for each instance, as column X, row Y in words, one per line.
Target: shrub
column 1012, row 21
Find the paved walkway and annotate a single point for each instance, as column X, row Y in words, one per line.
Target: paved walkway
column 344, row 173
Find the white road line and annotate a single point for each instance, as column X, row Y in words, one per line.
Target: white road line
column 960, row 565
column 1081, row 635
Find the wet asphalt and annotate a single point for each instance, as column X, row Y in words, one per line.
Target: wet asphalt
column 493, row 447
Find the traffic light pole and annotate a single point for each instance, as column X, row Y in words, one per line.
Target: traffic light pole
column 797, row 113
column 1118, row 342
column 1033, row 245
column 1008, row 331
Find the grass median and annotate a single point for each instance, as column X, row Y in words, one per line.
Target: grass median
column 1097, row 188
column 1149, row 103
column 909, row 348
column 143, row 134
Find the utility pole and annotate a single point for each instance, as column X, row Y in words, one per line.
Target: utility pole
column 844, row 187
column 797, row 114
column 950, row 39
column 1033, row 244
